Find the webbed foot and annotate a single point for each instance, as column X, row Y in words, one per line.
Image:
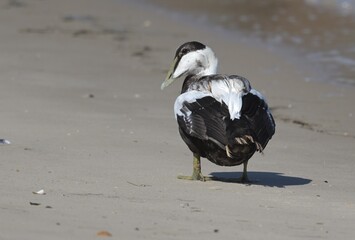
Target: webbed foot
column 198, row 177
column 196, row 174
column 243, row 179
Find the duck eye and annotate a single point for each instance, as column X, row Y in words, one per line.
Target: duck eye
column 184, row 51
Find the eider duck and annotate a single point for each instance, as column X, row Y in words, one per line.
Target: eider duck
column 220, row 117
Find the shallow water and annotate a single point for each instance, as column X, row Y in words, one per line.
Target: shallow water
column 321, row 32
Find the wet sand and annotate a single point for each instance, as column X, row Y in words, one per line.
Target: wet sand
column 81, row 103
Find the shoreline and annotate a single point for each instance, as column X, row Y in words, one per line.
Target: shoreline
column 308, row 79
column 310, row 35
column 82, row 106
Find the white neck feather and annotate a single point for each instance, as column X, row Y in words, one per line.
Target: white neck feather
column 211, row 63
column 200, row 63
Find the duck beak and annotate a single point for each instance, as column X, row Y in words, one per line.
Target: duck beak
column 169, row 79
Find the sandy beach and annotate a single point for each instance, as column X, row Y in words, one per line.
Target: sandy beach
column 81, row 104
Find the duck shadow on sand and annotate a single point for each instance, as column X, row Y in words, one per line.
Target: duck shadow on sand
column 269, row 179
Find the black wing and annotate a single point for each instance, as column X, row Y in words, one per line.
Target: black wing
column 204, row 119
column 261, row 122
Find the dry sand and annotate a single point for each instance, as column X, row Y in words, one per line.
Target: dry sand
column 81, row 103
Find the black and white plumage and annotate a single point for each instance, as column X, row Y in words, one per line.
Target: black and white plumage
column 220, row 117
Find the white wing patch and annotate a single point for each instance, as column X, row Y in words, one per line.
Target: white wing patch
column 230, row 91
column 189, row 97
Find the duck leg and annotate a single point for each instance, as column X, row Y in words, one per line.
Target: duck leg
column 196, row 174
column 244, row 178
